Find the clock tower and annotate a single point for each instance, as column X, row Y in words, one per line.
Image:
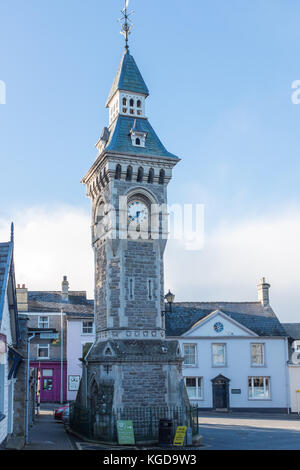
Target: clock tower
column 131, row 362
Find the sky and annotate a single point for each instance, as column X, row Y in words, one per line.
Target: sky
column 220, row 77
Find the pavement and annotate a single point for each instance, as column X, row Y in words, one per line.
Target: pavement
column 47, row 433
column 220, row 431
column 250, row 431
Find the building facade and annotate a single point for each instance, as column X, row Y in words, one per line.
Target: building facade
column 13, row 334
column 80, row 338
column 48, row 313
column 235, row 354
column 293, row 332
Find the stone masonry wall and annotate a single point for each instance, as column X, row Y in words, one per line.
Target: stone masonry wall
column 139, row 385
column 140, row 265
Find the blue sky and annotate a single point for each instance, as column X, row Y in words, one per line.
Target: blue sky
column 219, row 74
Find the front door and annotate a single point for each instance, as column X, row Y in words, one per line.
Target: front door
column 47, row 386
column 220, row 389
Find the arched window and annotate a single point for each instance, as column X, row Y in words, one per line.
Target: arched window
column 162, row 177
column 139, row 104
column 140, row 175
column 124, row 101
column 137, row 141
column 118, row 172
column 131, row 102
column 151, row 175
column 129, row 173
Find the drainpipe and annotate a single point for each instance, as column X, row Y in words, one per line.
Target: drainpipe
column 27, row 390
column 61, row 358
column 287, row 378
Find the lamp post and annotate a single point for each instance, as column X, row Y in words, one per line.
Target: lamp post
column 170, row 300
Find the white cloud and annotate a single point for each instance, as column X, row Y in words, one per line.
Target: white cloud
column 50, row 243
column 233, row 260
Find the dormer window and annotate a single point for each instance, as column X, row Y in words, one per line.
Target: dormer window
column 124, row 101
column 131, row 103
column 139, row 104
column 138, row 135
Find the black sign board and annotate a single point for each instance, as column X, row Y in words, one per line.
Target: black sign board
column 236, row 391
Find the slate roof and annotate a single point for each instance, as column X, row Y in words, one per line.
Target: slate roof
column 51, row 301
column 292, row 329
column 120, row 140
column 6, row 250
column 128, row 77
column 249, row 314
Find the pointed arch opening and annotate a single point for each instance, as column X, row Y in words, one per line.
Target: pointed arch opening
column 162, row 175
column 118, row 172
column 140, row 175
column 129, row 173
column 151, row 176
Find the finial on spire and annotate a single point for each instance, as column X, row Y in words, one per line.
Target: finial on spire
column 126, row 23
column 12, row 232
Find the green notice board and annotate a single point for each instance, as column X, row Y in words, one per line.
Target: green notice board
column 125, row 432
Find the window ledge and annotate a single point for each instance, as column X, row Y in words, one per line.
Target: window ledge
column 259, row 399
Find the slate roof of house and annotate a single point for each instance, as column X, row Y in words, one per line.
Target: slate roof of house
column 128, row 77
column 120, row 140
column 252, row 315
column 292, row 329
column 51, row 301
column 6, row 250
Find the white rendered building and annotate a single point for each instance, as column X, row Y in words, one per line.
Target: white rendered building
column 235, row 354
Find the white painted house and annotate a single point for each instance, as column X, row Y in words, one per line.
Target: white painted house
column 235, row 354
column 293, row 331
column 9, row 339
column 80, row 337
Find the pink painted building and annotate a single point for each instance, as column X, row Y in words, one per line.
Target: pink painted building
column 54, row 351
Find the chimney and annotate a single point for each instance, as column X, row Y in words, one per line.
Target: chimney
column 65, row 289
column 22, row 298
column 263, row 292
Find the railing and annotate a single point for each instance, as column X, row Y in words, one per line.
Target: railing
column 103, row 427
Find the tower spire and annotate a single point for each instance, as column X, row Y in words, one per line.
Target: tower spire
column 126, row 23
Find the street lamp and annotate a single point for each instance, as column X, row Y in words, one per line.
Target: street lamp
column 170, row 299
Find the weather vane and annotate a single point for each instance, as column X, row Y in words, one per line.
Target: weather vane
column 126, row 23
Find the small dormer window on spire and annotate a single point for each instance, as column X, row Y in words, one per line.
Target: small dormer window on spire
column 138, row 136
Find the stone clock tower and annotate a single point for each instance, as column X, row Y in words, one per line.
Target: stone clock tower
column 131, row 362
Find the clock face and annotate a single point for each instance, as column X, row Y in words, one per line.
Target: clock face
column 137, row 212
column 218, row 327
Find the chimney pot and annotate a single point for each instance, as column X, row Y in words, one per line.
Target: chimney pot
column 65, row 289
column 263, row 292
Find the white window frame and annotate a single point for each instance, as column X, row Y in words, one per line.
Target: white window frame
column 265, row 388
column 42, row 323
column 199, row 396
column 195, row 356
column 82, row 329
column 224, row 364
column 263, row 354
column 43, row 346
